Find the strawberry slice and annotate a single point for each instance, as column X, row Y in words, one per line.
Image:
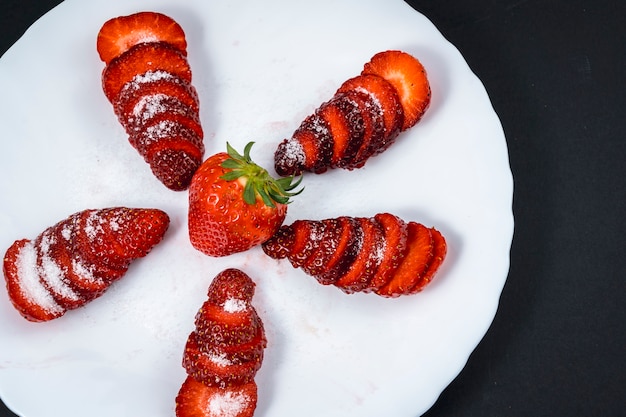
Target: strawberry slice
column 410, row 270
column 408, row 77
column 53, row 274
column 217, row 326
column 395, row 235
column 386, row 98
column 231, row 286
column 307, row 237
column 317, row 262
column 119, row 34
column 167, row 135
column 373, row 128
column 164, row 126
column 251, row 350
column 281, row 244
column 151, row 106
column 367, row 260
column 131, row 101
column 79, row 275
column 26, row 292
column 195, row 399
column 346, row 250
column 175, row 167
column 439, row 253
column 141, row 58
column 216, row 368
column 83, row 254
column 343, row 119
column 348, row 103
column 114, row 237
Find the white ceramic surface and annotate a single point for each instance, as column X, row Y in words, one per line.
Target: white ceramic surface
column 260, row 67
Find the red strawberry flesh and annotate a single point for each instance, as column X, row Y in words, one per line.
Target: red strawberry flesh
column 121, row 33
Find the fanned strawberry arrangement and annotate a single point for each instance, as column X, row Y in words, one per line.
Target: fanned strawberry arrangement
column 224, row 352
column 147, row 79
column 234, row 205
column 381, row 254
column 362, row 119
column 78, row 258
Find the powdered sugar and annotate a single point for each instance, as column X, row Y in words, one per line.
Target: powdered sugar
column 219, row 359
column 147, row 77
column 234, row 305
column 51, row 273
column 227, row 403
column 29, row 282
column 150, row 105
column 292, row 152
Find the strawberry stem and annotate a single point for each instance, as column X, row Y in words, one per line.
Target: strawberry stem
column 258, row 180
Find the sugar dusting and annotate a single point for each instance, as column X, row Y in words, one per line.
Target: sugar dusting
column 29, row 282
column 293, row 153
column 227, row 403
column 219, row 359
column 234, row 305
column 50, row 271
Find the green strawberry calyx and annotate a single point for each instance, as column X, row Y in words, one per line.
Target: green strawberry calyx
column 258, row 181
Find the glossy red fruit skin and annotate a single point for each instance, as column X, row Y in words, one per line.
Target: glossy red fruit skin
column 220, row 222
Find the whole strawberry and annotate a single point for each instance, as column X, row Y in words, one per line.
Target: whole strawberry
column 234, row 204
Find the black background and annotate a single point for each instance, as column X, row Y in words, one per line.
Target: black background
column 555, row 72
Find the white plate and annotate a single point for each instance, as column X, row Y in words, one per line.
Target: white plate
column 260, row 68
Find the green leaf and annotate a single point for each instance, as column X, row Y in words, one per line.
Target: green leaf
column 249, row 195
column 258, row 180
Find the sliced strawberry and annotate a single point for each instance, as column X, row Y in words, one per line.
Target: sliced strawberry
column 176, row 139
column 119, row 34
column 290, row 156
column 79, row 275
column 347, row 249
column 317, row 262
column 386, row 98
column 195, row 399
column 131, row 101
column 26, row 292
column 231, row 286
column 323, row 141
column 53, row 273
column 167, row 126
column 367, row 261
column 175, row 167
column 373, row 128
column 251, row 350
column 218, row 327
column 215, row 368
column 395, row 235
column 116, row 236
column 408, row 77
column 141, row 58
column 439, row 253
column 338, row 128
column 408, row 273
column 281, row 244
column 308, row 235
column 149, row 107
column 348, row 103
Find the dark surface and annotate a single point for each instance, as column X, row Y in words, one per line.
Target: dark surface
column 555, row 72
